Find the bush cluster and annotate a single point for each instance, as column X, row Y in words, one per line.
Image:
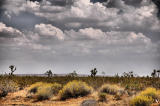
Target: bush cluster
column 111, row 89
column 146, row 97
column 42, row 91
column 8, row 86
column 74, row 89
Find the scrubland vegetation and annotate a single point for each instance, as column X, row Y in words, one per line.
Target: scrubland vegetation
column 137, row 91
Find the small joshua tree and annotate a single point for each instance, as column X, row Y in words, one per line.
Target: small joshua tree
column 129, row 74
column 94, row 72
column 13, row 69
column 49, row 73
column 158, row 71
column 73, row 74
column 154, row 73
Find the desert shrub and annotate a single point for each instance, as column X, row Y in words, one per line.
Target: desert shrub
column 34, row 87
column 42, row 91
column 74, row 89
column 8, row 86
column 146, row 97
column 111, row 89
column 102, row 97
column 141, row 101
column 134, row 86
column 151, row 92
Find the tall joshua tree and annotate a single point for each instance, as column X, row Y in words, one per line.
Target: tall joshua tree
column 13, row 69
column 94, row 72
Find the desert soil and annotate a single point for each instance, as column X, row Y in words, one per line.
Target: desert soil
column 19, row 98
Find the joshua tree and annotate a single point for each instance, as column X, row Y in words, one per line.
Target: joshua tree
column 129, row 74
column 73, row 74
column 154, row 73
column 13, row 69
column 94, row 72
column 49, row 73
column 158, row 71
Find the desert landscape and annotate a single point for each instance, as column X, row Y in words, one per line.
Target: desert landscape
column 74, row 90
column 79, row 52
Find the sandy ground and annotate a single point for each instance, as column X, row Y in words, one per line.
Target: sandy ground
column 19, row 98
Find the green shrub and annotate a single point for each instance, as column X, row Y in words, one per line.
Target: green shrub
column 74, row 89
column 56, row 88
column 111, row 89
column 134, row 86
column 34, row 87
column 42, row 91
column 151, row 92
column 141, row 101
column 146, row 97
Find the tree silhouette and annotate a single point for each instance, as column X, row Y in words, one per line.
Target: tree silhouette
column 158, row 71
column 49, row 73
column 73, row 74
column 154, row 73
column 94, row 72
column 129, row 74
column 13, row 69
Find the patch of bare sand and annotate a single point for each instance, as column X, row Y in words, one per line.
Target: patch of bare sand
column 19, row 98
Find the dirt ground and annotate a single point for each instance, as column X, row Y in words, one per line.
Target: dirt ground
column 19, row 98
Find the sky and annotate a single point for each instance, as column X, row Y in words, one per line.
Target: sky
column 115, row 36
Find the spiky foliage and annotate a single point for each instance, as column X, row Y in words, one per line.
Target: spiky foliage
column 13, row 69
column 49, row 73
column 94, row 72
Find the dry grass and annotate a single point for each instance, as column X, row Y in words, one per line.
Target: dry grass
column 111, row 89
column 8, row 86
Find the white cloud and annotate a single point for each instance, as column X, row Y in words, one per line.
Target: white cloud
column 8, row 31
column 92, row 33
column 14, row 38
column 49, row 31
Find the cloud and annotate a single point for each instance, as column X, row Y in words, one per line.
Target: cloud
column 49, row 31
column 73, row 25
column 109, row 32
column 8, row 32
column 11, row 37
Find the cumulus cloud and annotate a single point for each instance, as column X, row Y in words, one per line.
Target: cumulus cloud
column 114, row 29
column 49, row 31
column 12, row 37
column 8, row 32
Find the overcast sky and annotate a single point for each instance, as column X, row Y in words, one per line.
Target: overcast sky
column 115, row 36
